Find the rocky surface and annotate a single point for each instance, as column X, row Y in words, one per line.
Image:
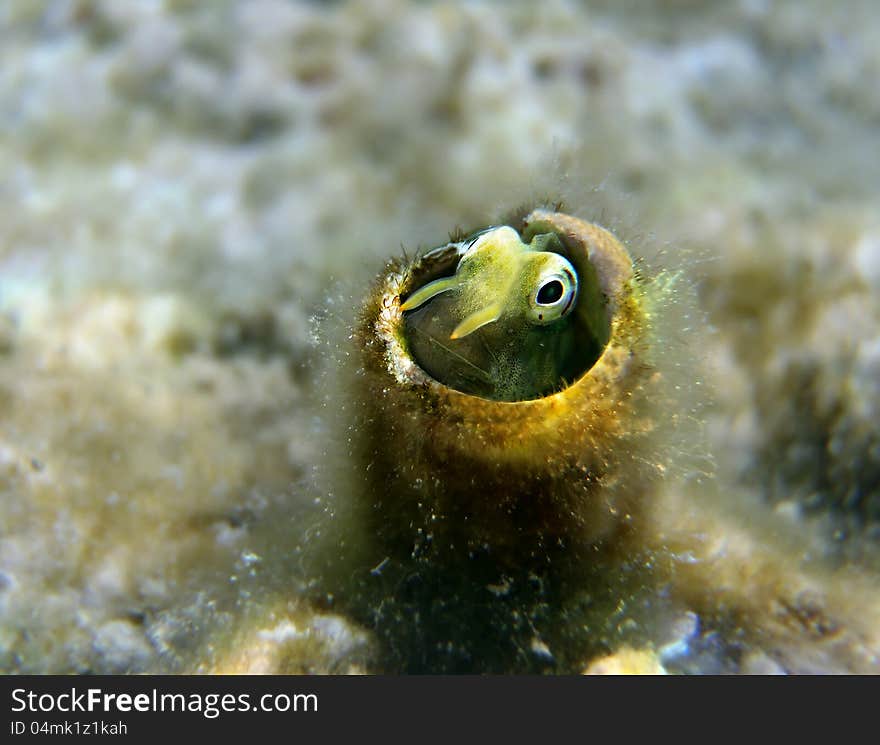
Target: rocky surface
column 186, row 186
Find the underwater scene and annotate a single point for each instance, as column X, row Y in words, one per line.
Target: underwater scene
column 406, row 337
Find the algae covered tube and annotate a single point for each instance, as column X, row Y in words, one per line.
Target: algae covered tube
column 504, row 437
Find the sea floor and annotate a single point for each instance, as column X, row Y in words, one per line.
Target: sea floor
column 194, row 193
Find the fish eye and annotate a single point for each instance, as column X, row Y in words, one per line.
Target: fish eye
column 550, row 292
column 555, row 296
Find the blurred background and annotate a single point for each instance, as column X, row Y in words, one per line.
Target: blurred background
column 184, row 186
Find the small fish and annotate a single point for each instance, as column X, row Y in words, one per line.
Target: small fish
column 499, row 276
column 501, row 326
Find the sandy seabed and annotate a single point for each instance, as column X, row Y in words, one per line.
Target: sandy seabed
column 189, row 188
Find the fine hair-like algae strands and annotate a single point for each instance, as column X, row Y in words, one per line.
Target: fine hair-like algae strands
column 497, row 536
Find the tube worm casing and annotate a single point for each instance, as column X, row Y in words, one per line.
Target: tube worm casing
column 499, row 535
column 450, row 474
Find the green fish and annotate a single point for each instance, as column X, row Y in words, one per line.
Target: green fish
column 498, row 327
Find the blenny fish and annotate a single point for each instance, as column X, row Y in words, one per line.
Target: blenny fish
column 502, row 326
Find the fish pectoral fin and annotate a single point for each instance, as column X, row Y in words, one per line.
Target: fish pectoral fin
column 477, row 320
column 430, row 290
